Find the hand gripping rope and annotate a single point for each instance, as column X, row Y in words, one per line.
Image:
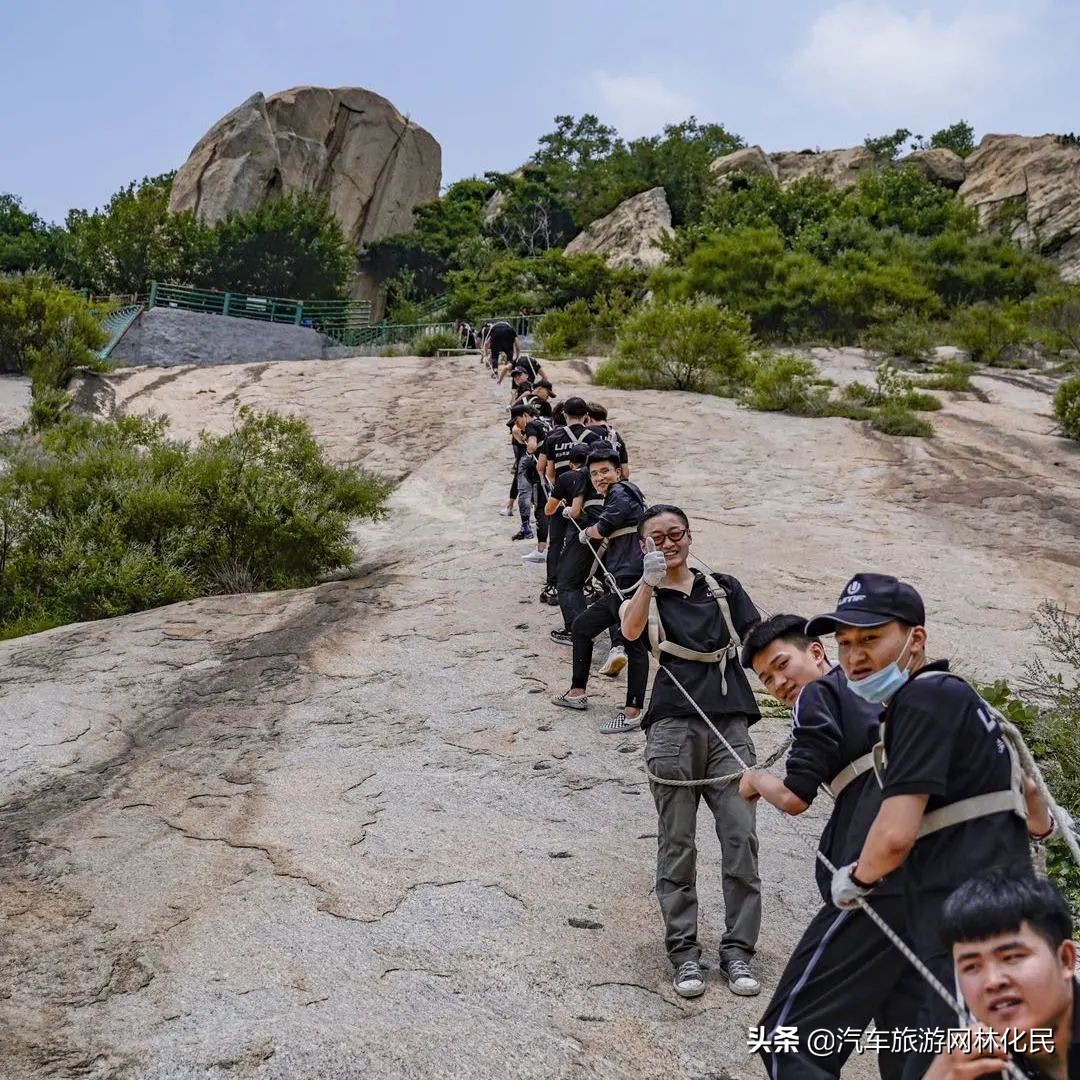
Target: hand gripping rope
column 1030, row 766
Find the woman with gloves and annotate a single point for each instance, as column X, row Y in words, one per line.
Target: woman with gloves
column 694, row 624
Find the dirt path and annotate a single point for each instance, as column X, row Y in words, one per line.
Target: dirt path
column 339, row 832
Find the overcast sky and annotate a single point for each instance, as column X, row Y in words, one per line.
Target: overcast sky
column 97, row 94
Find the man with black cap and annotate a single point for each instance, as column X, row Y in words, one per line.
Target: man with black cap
column 954, row 800
column 543, row 392
column 841, row 974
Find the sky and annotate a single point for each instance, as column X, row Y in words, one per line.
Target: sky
column 98, row 94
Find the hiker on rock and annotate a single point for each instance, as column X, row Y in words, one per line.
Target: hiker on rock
column 694, row 624
column 1012, row 947
column 612, row 538
column 531, row 495
column 954, row 799
column 598, row 422
column 842, row 973
column 567, row 494
column 502, row 340
column 543, row 392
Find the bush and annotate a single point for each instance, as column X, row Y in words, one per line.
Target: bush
column 694, row 345
column 1067, row 407
column 991, row 334
column 430, row 343
column 1056, row 318
column 894, row 417
column 786, row 383
column 903, row 335
column 100, row 519
column 947, row 375
column 583, row 326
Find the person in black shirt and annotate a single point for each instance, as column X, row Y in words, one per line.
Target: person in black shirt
column 615, row 534
column 520, row 415
column 543, row 392
column 1015, row 962
column 842, row 973
column 941, row 746
column 687, row 611
column 569, row 486
column 531, row 498
column 598, row 422
column 501, row 341
column 555, row 453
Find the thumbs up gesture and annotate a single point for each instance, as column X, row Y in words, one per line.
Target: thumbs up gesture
column 654, row 565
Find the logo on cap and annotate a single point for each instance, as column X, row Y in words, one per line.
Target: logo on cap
column 853, row 588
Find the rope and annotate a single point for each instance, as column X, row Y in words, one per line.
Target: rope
column 772, row 759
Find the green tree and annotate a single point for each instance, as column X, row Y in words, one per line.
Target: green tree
column 958, row 137
column 26, row 242
column 290, row 246
column 887, row 146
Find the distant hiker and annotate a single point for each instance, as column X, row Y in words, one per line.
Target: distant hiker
column 1011, row 941
column 524, row 362
column 466, row 335
column 694, row 624
column 543, row 392
column 598, row 422
column 841, row 974
column 568, row 493
column 613, row 536
column 502, row 341
column 522, row 323
column 531, row 497
column 940, row 749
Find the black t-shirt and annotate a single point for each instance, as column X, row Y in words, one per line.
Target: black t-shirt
column 593, row 504
column 941, row 740
column 569, row 484
column 695, row 622
column 624, row 507
column 830, row 728
column 527, row 364
column 558, row 443
column 501, row 337
column 611, row 436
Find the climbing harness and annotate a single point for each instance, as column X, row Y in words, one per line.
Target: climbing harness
column 852, row 771
column 1029, row 764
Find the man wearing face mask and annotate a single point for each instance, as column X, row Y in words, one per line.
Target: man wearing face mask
column 954, row 801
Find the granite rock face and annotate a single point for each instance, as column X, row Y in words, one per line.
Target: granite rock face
column 627, row 237
column 353, row 146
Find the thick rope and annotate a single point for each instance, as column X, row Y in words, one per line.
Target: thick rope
column 772, row 759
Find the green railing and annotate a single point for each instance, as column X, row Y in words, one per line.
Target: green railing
column 380, row 334
column 115, row 323
column 341, row 320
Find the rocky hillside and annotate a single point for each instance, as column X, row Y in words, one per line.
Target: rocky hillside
column 340, row 832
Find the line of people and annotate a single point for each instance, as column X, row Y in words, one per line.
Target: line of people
column 932, row 819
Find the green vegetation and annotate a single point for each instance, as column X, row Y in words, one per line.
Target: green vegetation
column 100, row 519
column 1067, row 407
column 1045, row 706
column 430, row 343
column 958, row 137
column 584, row 326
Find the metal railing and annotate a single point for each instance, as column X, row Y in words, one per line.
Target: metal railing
column 115, row 323
column 380, row 334
column 341, row 320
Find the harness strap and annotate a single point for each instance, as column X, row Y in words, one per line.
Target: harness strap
column 852, row 771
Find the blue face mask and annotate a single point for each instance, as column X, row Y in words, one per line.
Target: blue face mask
column 883, row 684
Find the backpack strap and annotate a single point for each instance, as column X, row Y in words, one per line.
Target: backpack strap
column 852, row 771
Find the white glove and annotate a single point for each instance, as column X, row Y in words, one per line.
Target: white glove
column 566, row 513
column 846, row 894
column 654, row 565
column 582, row 537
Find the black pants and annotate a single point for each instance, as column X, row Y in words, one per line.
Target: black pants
column 557, row 527
column 575, row 565
column 604, row 615
column 843, row 973
column 539, row 498
column 497, row 351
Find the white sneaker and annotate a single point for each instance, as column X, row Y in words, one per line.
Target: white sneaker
column 740, row 978
column 536, row 555
column 615, row 662
column 688, row 981
column 506, row 511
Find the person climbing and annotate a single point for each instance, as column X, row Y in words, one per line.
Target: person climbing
column 694, row 624
column 524, row 362
column 555, row 453
column 564, row 495
column 543, row 392
column 531, row 497
column 485, row 330
column 615, row 534
column 502, row 341
column 520, row 415
column 1011, row 940
column 598, row 422
column 842, row 973
column 954, row 799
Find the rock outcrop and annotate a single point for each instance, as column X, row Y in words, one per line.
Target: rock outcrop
column 750, row 159
column 373, row 164
column 627, row 237
column 1030, row 185
column 945, row 167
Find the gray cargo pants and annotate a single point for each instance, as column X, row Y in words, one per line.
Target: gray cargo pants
column 683, row 748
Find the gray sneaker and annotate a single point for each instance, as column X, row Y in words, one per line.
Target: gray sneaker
column 740, row 978
column 688, row 981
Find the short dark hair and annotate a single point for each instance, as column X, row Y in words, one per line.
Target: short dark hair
column 579, row 452
column 597, row 411
column 602, row 451
column 661, row 508
column 790, row 628
column 575, row 406
column 998, row 901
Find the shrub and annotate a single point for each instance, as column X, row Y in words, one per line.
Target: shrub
column 584, row 326
column 692, row 345
column 785, row 383
column 991, row 334
column 947, row 375
column 920, row 401
column 894, row 417
column 430, row 343
column 1056, row 318
column 906, row 336
column 1067, row 407
column 100, row 519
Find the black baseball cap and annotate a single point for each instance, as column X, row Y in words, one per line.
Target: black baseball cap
column 871, row 600
column 547, row 386
column 523, row 407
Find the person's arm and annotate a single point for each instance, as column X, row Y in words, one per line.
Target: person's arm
column 517, row 347
column 755, row 783
column 553, row 505
column 891, row 837
column 531, row 444
column 744, row 613
column 577, row 506
column 503, row 369
column 542, row 467
column 634, row 613
column 1039, row 821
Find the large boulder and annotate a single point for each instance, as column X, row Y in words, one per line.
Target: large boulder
column 1032, row 186
column 750, row 159
column 351, row 145
column 945, row 167
column 627, row 237
column 839, row 167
